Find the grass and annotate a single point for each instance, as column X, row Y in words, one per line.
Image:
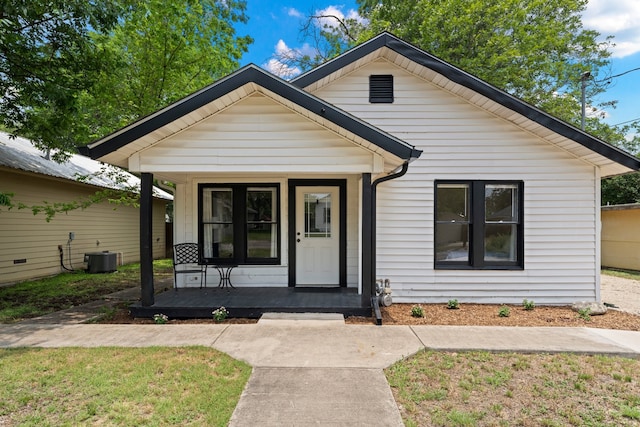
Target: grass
column 39, row 297
column 117, row 386
column 626, row 274
column 504, row 389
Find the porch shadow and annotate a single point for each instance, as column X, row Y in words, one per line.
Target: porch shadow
column 191, row 303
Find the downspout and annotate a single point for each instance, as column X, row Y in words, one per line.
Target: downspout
column 374, row 204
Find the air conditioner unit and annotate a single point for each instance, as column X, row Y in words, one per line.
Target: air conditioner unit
column 101, row 262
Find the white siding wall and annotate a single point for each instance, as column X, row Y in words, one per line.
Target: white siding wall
column 186, row 212
column 461, row 141
column 25, row 236
column 256, row 135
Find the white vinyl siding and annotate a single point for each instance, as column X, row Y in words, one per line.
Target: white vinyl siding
column 101, row 227
column 463, row 142
column 186, row 212
column 256, row 135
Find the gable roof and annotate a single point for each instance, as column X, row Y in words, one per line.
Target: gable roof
column 19, row 153
column 248, row 75
column 386, row 42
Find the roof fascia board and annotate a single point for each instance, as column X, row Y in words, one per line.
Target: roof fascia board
column 469, row 81
column 252, row 74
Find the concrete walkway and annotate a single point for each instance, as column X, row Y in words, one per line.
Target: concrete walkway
column 314, row 369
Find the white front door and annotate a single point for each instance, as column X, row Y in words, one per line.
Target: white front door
column 318, row 236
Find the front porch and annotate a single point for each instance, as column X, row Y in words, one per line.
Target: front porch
column 252, row 302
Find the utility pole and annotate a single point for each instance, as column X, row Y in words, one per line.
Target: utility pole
column 583, row 79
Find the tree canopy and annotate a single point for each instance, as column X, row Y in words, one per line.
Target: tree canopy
column 161, row 52
column 72, row 70
column 47, row 58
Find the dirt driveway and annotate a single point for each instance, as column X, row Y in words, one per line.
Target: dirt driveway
column 623, row 293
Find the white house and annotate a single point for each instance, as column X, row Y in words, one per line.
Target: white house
column 384, row 163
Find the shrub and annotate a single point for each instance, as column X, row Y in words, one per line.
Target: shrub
column 528, row 305
column 160, row 319
column 417, row 311
column 453, row 304
column 504, row 311
column 585, row 314
column 220, row 314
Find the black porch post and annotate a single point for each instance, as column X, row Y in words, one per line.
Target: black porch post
column 367, row 240
column 146, row 239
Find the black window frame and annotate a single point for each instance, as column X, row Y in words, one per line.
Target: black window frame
column 240, row 224
column 381, row 89
column 477, row 225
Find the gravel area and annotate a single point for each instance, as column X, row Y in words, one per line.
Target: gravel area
column 621, row 292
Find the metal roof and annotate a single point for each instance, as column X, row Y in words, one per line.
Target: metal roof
column 19, row 153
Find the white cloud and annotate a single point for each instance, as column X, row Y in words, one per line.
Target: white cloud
column 619, row 18
column 278, row 64
column 292, row 11
column 330, row 11
column 281, row 69
column 278, row 67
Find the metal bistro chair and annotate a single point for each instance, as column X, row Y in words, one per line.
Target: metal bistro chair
column 186, row 260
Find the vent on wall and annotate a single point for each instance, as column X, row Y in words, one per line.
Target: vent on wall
column 381, row 89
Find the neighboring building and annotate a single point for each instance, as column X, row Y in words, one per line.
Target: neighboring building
column 621, row 236
column 303, row 183
column 29, row 245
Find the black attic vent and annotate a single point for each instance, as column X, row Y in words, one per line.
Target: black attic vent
column 381, row 89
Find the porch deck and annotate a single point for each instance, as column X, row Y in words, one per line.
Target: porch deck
column 191, row 303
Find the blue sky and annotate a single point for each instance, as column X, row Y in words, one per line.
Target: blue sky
column 275, row 24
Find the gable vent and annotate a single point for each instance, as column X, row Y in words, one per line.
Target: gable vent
column 381, row 89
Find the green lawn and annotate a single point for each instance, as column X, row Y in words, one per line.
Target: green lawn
column 506, row 389
column 192, row 386
column 38, row 297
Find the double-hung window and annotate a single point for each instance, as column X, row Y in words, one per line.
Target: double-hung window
column 479, row 224
column 239, row 223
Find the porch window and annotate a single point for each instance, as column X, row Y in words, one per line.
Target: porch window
column 479, row 224
column 239, row 224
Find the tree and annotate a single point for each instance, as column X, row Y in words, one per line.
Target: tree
column 46, row 58
column 621, row 189
column 536, row 50
column 161, row 52
column 73, row 71
column 326, row 33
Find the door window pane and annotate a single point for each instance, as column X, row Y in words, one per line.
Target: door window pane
column 317, row 215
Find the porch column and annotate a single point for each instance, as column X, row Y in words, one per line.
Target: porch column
column 367, row 272
column 146, row 240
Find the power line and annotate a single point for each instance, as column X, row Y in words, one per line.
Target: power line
column 617, row 75
column 628, row 121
